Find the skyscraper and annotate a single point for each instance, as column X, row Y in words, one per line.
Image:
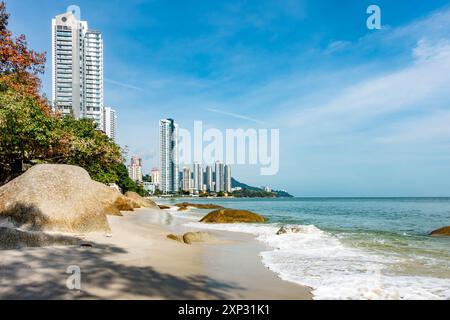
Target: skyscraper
column 168, row 131
column 227, row 178
column 110, row 123
column 187, row 179
column 209, row 179
column 198, row 178
column 135, row 169
column 77, row 68
column 219, row 177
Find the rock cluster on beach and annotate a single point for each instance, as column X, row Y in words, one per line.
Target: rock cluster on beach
column 232, row 216
column 192, row 237
column 63, row 198
column 445, row 231
column 185, row 205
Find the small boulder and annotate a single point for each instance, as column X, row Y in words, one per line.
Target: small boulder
column 285, row 230
column 445, row 231
column 191, row 237
column 175, row 237
column 232, row 216
column 163, row 207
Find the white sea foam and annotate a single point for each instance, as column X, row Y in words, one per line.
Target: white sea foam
column 333, row 270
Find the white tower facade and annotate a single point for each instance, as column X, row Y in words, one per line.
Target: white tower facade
column 209, row 179
column 198, row 178
column 227, row 178
column 110, row 123
column 168, row 132
column 219, row 177
column 77, row 68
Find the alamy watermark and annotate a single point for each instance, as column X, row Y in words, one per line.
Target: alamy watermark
column 249, row 146
column 73, row 281
column 374, row 20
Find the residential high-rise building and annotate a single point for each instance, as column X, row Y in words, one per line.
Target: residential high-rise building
column 227, row 178
column 135, row 169
column 110, row 123
column 168, row 131
column 198, row 178
column 155, row 175
column 77, row 68
column 219, row 177
column 209, row 179
column 187, row 179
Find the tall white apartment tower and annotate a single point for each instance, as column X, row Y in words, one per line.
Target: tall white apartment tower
column 168, row 133
column 219, row 177
column 187, row 179
column 209, row 179
column 77, row 68
column 110, row 123
column 198, row 178
column 227, row 178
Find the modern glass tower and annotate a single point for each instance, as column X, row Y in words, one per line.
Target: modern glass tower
column 168, row 133
column 77, row 68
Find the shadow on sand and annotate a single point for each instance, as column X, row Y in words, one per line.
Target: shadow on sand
column 40, row 273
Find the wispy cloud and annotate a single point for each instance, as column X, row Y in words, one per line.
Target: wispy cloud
column 236, row 115
column 123, row 85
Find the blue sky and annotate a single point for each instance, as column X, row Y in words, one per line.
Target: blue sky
column 360, row 112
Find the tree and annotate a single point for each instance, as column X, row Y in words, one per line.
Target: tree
column 27, row 134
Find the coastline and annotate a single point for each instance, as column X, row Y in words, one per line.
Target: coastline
column 137, row 261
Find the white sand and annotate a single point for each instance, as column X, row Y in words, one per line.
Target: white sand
column 139, row 262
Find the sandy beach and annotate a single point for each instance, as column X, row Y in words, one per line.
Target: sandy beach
column 137, row 261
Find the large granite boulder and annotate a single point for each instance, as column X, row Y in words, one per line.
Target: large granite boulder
column 56, row 197
column 445, row 231
column 140, row 201
column 232, row 216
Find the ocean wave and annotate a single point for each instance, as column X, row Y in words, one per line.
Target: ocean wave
column 318, row 259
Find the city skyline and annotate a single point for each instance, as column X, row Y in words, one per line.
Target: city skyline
column 356, row 114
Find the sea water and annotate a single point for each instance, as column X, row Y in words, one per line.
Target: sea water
column 374, row 248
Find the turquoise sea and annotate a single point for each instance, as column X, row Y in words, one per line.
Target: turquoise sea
column 351, row 248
